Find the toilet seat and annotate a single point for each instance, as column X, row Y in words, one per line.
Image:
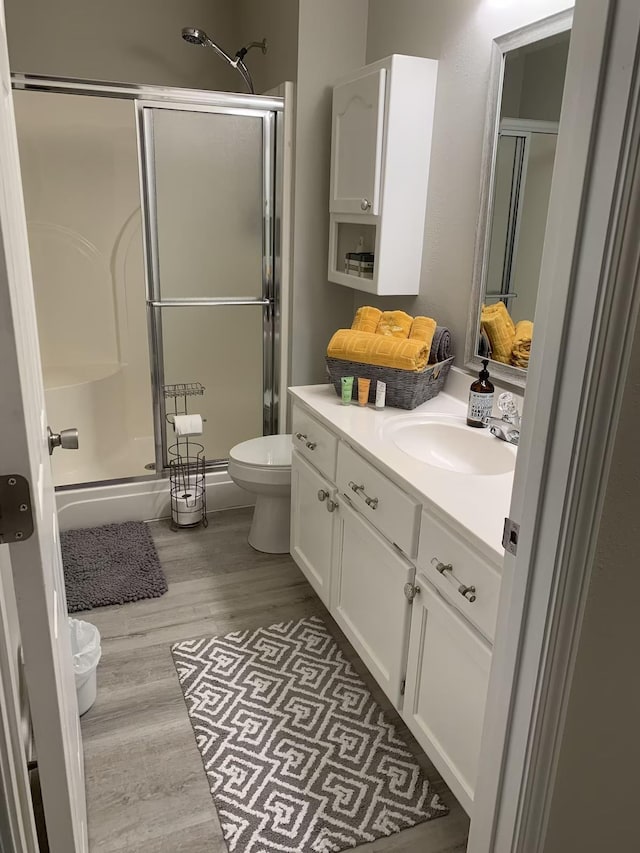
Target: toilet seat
column 266, row 451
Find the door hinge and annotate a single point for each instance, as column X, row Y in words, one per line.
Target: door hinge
column 403, row 686
column 410, row 591
column 16, row 516
column 510, row 536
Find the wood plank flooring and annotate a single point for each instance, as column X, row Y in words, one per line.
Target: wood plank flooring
column 147, row 791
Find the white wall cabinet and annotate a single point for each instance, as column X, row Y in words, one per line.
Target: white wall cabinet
column 382, row 121
column 417, row 633
column 313, row 505
column 356, row 151
column 447, row 678
column 368, row 600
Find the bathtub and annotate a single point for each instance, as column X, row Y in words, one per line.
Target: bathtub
column 139, row 501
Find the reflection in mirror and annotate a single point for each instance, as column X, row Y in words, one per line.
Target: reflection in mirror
column 520, row 169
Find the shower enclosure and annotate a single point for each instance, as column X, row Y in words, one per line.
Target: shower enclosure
column 154, row 218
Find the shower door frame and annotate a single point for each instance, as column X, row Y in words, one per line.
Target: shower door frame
column 156, row 303
column 271, row 110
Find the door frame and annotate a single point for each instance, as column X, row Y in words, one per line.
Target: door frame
column 588, row 304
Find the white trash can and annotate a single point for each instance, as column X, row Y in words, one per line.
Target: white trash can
column 85, row 647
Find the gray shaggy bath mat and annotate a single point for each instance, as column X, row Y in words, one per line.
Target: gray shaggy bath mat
column 112, row 564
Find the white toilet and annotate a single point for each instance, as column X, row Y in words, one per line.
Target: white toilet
column 262, row 466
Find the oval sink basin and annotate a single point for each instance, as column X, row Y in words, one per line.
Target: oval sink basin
column 448, row 443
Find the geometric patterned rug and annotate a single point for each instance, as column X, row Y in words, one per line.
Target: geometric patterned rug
column 299, row 756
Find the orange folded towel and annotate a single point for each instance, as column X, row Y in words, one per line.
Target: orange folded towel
column 423, row 329
column 366, row 319
column 381, row 350
column 394, row 323
column 500, row 329
column 522, row 344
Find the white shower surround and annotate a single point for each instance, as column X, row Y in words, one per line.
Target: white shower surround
column 144, row 500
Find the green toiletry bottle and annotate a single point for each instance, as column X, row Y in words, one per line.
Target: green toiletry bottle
column 480, row 399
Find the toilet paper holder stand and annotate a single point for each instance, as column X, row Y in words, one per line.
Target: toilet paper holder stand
column 187, row 461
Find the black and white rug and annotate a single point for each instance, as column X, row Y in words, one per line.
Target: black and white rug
column 299, row 756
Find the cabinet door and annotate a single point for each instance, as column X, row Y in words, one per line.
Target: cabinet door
column 368, row 600
column 446, row 689
column 312, row 524
column 356, row 149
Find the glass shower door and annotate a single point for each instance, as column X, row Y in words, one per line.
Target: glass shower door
column 208, row 183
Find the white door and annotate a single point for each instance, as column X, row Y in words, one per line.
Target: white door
column 447, row 679
column 35, row 560
column 368, row 599
column 356, row 144
column 312, row 519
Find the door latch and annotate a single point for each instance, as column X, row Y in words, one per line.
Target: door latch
column 16, row 515
column 510, row 536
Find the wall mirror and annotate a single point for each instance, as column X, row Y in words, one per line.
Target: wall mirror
column 525, row 98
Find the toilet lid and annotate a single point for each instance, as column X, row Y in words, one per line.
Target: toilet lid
column 272, row 451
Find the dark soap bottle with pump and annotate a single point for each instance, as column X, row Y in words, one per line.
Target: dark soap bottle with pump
column 480, row 399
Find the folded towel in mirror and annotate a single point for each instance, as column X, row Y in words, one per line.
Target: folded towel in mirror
column 395, row 323
column 381, row 350
column 522, row 344
column 500, row 329
column 441, row 346
column 366, row 319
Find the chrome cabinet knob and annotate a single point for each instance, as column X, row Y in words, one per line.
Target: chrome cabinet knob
column 332, row 505
column 311, row 445
column 365, row 204
column 323, row 494
column 301, row 436
column 67, row 439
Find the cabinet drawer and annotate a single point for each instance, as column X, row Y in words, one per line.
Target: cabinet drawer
column 439, row 546
column 384, row 504
column 315, row 442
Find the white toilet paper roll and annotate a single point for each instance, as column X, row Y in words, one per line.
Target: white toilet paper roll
column 187, row 509
column 188, row 424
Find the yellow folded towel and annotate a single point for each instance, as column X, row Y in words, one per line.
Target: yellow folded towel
column 522, row 343
column 381, row 350
column 395, row 323
column 500, row 329
column 366, row 319
column 423, row 329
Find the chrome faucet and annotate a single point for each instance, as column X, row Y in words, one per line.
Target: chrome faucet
column 506, row 428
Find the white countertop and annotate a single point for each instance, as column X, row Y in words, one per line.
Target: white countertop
column 476, row 503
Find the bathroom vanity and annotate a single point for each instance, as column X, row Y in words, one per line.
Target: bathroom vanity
column 396, row 521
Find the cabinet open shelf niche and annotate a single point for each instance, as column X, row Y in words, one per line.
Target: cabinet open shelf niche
column 382, row 123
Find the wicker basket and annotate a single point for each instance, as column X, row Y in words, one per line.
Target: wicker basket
column 405, row 389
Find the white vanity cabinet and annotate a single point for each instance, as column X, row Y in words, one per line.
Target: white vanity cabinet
column 313, row 505
column 415, row 597
column 382, row 122
column 446, row 689
column 368, row 599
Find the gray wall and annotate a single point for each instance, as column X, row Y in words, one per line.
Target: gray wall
column 277, row 21
column 331, row 42
column 595, row 802
column 459, row 34
column 132, row 41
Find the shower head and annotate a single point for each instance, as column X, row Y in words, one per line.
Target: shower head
column 194, row 36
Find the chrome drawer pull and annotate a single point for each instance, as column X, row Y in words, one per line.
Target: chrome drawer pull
column 312, row 445
column 359, row 490
column 468, row 592
column 323, row 494
column 301, row 436
column 332, row 505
